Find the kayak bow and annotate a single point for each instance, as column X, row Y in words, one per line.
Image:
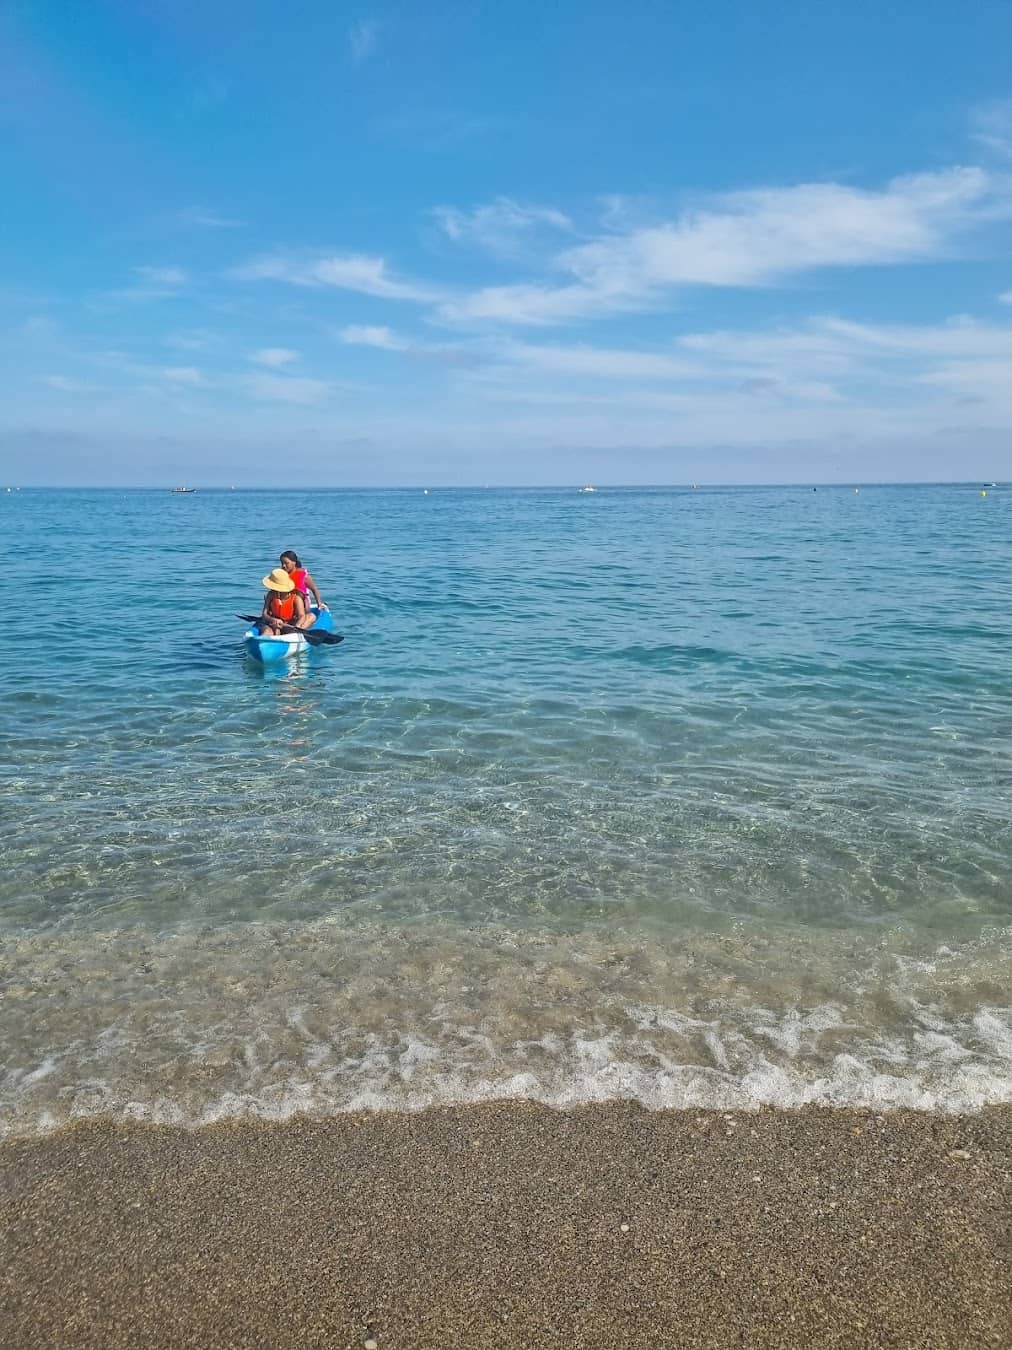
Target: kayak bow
column 267, row 650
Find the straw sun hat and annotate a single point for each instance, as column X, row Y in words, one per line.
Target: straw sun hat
column 279, row 580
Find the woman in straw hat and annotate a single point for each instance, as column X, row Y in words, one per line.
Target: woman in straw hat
column 283, row 604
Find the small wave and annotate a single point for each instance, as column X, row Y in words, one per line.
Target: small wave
column 268, row 1020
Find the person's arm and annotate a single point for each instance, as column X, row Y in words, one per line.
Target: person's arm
column 301, row 617
column 266, row 610
column 311, row 586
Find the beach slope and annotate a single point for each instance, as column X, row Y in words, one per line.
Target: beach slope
column 512, row 1224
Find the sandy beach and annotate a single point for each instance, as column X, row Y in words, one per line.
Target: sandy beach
column 513, row 1225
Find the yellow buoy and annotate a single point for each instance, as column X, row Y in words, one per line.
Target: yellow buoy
column 983, row 494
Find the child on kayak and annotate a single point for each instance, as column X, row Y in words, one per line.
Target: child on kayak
column 283, row 607
column 301, row 579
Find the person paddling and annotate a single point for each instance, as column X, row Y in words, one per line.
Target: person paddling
column 304, row 583
column 283, row 604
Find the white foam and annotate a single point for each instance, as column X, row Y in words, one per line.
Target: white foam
column 276, row 1022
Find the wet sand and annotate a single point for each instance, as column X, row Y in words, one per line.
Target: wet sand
column 513, row 1225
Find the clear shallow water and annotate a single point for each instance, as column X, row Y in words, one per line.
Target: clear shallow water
column 701, row 797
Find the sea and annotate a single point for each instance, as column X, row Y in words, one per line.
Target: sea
column 699, row 797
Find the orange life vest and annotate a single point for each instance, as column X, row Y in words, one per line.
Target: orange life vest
column 283, row 607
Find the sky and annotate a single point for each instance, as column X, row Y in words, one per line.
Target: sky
column 714, row 241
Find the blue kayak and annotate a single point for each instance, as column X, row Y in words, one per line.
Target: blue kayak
column 270, row 649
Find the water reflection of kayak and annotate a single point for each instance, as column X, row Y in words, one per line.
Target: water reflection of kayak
column 267, row 649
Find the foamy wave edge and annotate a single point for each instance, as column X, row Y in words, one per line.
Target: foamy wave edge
column 588, row 1071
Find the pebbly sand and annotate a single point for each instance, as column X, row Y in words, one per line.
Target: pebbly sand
column 513, row 1225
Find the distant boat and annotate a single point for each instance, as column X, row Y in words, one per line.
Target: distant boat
column 588, row 489
column 182, row 489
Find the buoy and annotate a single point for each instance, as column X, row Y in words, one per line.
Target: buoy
column 425, row 492
column 983, row 494
column 857, row 490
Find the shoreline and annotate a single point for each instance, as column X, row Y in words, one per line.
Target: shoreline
column 513, row 1224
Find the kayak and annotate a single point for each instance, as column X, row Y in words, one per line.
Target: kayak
column 269, row 649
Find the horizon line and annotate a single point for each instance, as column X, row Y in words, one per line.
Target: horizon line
column 503, row 487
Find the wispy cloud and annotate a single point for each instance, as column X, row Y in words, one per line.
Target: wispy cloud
column 372, row 335
column 964, row 357
column 753, row 238
column 537, row 304
column 166, row 277
column 1006, row 298
column 193, row 340
column 274, row 356
column 286, row 388
column 350, row 271
column 442, row 131
column 153, row 283
column 188, row 375
column 362, row 38
column 860, row 372
column 501, row 227
column 196, row 217
column 66, row 385
column 599, row 362
column 992, row 126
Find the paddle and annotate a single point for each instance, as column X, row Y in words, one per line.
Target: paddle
column 314, row 638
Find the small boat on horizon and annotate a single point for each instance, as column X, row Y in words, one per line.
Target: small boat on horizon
column 588, row 488
column 183, row 489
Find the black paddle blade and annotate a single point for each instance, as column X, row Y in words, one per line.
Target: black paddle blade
column 321, row 639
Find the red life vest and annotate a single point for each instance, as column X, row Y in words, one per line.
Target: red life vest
column 283, row 606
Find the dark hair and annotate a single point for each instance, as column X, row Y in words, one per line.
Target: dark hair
column 290, row 553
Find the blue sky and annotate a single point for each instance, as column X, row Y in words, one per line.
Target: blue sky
column 504, row 243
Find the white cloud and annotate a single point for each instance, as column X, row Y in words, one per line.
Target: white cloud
column 748, row 239
column 65, row 385
column 967, row 360
column 501, row 225
column 154, row 283
column 372, row 335
column 349, row 271
column 752, row 238
column 1006, row 297
column 188, row 375
column 286, row 388
column 534, row 304
column 599, row 362
column 362, row 39
column 762, row 235
column 959, row 337
column 274, row 356
column 193, row 340
column 992, row 126
column 853, row 372
column 196, row 217
column 162, row 276
column 441, row 130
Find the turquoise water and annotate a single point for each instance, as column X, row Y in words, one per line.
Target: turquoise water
column 700, row 797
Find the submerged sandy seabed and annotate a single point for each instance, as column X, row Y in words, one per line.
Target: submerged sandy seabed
column 512, row 1224
column 274, row 1019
